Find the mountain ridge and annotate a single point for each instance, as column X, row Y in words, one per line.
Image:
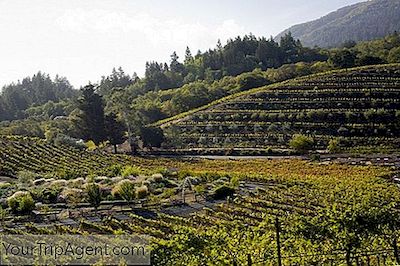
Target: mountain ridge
column 358, row 22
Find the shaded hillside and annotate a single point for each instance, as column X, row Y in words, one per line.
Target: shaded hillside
column 358, row 107
column 363, row 21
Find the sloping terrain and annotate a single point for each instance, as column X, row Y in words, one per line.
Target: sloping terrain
column 360, row 22
column 36, row 155
column 357, row 107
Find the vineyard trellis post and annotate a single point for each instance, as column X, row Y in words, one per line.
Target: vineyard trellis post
column 185, row 182
column 249, row 262
column 278, row 242
column 396, row 250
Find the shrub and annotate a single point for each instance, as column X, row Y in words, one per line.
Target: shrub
column 223, row 191
column 333, row 146
column 26, row 177
column 3, row 214
column 141, row 192
column 315, row 157
column 235, row 181
column 72, row 195
column 77, row 182
column 4, row 188
column 59, row 183
column 200, row 189
column 301, row 143
column 102, row 179
column 65, row 140
column 169, row 192
column 157, row 177
column 93, row 194
column 90, row 145
column 69, row 174
column 49, row 195
column 39, row 182
column 114, row 170
column 124, row 189
column 21, row 202
column 131, row 171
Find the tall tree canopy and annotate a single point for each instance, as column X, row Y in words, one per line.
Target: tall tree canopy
column 32, row 91
column 91, row 124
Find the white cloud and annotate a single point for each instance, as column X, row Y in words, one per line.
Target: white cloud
column 156, row 31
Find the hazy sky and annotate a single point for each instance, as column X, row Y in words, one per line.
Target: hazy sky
column 84, row 39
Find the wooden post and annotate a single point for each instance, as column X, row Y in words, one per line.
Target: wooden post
column 278, row 241
column 183, row 191
column 396, row 250
column 249, row 262
column 348, row 256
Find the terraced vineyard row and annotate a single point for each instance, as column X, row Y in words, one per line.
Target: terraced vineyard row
column 359, row 107
column 36, row 155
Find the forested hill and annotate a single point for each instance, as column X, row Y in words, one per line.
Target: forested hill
column 32, row 91
column 363, row 21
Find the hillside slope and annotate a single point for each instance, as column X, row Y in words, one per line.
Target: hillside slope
column 363, row 21
column 36, row 155
column 358, row 107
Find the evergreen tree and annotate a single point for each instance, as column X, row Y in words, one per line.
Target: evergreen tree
column 268, row 53
column 219, row 45
column 92, row 115
column 35, row 90
column 152, row 136
column 188, row 56
column 343, row 58
column 115, row 130
column 117, row 79
column 175, row 66
column 290, row 48
column 156, row 77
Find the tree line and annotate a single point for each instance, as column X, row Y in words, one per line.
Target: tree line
column 43, row 107
column 32, row 91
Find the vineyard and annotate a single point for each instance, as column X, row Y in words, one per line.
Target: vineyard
column 33, row 154
column 324, row 211
column 231, row 213
column 358, row 108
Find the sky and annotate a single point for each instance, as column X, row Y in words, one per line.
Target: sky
column 84, row 39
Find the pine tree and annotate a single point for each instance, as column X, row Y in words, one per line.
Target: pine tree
column 188, row 56
column 92, row 117
column 290, row 47
column 219, row 45
column 175, row 66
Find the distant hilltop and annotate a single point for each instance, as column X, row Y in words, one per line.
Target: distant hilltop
column 359, row 22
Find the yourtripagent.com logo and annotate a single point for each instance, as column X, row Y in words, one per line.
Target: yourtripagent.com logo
column 74, row 250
